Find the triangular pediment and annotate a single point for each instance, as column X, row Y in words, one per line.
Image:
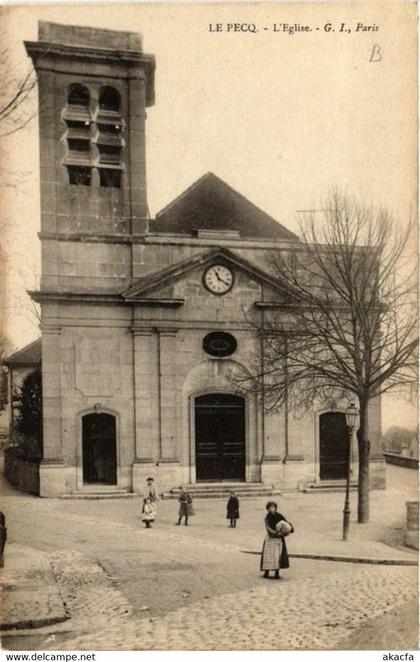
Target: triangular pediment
column 212, row 205
column 148, row 285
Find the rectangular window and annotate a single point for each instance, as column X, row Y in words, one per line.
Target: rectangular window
column 79, row 175
column 110, row 178
column 77, row 145
column 109, row 154
column 114, row 129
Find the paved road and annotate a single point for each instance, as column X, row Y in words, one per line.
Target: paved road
column 316, row 612
column 192, row 587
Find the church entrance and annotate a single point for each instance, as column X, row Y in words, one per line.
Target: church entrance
column 99, row 449
column 220, row 437
column 332, row 446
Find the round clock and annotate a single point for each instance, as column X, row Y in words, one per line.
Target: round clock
column 218, row 279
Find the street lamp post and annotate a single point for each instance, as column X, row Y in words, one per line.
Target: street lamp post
column 351, row 417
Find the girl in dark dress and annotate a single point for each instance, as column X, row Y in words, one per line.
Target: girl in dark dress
column 232, row 509
column 274, row 552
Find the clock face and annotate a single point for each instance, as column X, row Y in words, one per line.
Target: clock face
column 218, row 279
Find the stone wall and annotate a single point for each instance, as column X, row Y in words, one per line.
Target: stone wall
column 22, row 474
column 412, row 533
column 401, row 460
column 146, row 372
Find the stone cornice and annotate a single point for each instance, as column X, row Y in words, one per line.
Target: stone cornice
column 168, row 331
column 153, row 238
column 87, row 238
column 40, row 49
column 51, row 329
column 102, row 298
column 47, row 56
column 156, row 303
column 75, row 297
column 140, row 329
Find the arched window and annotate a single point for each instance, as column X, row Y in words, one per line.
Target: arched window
column 78, row 95
column 109, row 99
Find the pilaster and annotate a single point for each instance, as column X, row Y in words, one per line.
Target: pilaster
column 146, row 385
column 168, row 418
column 52, row 468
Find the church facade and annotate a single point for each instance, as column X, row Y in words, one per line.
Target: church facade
column 144, row 320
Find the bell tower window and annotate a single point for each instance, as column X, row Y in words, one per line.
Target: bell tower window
column 78, row 95
column 77, row 117
column 79, row 175
column 110, row 177
column 109, row 140
column 93, row 136
column 109, row 100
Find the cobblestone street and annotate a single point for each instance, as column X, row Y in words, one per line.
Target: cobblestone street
column 310, row 612
column 125, row 587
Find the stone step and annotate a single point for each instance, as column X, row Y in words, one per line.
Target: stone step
column 213, row 485
column 331, row 489
column 244, row 491
column 117, row 494
column 222, row 495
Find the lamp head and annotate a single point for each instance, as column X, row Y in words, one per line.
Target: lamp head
column 351, row 415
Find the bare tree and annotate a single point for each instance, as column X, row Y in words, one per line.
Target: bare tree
column 17, row 88
column 23, row 305
column 347, row 322
column 17, row 109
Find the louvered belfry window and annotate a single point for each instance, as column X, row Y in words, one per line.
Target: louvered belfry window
column 109, row 140
column 94, row 136
column 78, row 118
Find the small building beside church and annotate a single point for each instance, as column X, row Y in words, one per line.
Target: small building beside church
column 144, row 319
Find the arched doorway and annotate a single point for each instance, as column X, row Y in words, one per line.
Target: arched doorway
column 99, row 449
column 219, row 437
column 332, row 446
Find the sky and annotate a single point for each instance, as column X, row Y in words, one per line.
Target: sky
column 280, row 117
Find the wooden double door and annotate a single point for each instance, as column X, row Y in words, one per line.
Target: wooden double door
column 220, row 437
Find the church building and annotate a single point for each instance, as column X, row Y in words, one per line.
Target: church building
column 144, row 319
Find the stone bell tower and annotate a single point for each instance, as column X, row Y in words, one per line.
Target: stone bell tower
column 94, row 87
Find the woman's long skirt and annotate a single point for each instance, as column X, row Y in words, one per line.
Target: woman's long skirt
column 274, row 554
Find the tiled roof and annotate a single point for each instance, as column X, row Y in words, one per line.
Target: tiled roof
column 29, row 355
column 211, row 204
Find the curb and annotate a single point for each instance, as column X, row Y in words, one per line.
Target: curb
column 344, row 559
column 32, row 624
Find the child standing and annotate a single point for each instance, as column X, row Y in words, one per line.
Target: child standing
column 232, row 509
column 148, row 512
column 185, row 506
column 150, row 490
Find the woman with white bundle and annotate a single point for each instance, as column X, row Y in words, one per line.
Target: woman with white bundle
column 274, row 552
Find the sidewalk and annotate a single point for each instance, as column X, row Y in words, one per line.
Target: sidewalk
column 30, row 595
